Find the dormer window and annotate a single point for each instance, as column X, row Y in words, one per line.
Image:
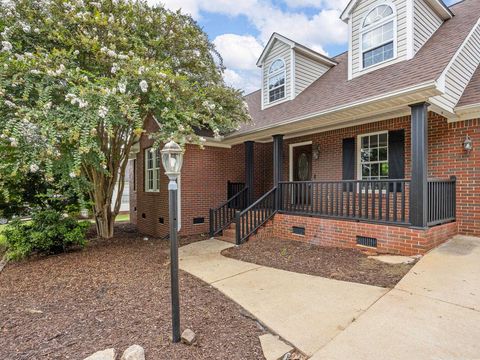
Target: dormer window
column 276, row 81
column 378, row 36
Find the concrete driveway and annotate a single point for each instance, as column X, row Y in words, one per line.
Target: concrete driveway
column 307, row 311
column 432, row 314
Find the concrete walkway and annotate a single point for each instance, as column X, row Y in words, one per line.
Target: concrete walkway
column 307, row 311
column 432, row 314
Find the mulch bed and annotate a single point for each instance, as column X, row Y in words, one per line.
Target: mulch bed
column 334, row 263
column 115, row 293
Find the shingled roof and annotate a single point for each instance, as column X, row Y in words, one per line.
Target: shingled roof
column 333, row 89
column 471, row 95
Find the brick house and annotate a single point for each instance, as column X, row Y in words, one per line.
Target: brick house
column 367, row 148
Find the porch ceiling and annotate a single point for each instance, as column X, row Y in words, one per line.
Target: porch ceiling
column 371, row 110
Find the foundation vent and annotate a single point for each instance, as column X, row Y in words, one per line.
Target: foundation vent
column 198, row 220
column 298, row 230
column 366, row 241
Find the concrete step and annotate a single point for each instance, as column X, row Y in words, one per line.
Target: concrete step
column 229, row 233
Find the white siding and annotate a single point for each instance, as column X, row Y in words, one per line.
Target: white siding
column 283, row 51
column 359, row 13
column 306, row 72
column 459, row 73
column 426, row 22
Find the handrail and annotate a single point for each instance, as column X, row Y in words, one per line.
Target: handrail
column 441, row 201
column 222, row 216
column 256, row 215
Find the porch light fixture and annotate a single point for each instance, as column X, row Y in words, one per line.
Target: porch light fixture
column 468, row 144
column 172, row 159
column 316, row 152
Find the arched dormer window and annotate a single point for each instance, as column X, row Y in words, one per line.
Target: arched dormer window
column 276, row 80
column 378, row 36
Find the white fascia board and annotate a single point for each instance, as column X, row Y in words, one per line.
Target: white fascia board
column 266, row 50
column 443, row 76
column 429, row 85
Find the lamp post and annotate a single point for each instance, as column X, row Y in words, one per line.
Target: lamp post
column 172, row 159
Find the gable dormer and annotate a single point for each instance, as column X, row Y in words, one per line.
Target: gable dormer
column 288, row 68
column 383, row 32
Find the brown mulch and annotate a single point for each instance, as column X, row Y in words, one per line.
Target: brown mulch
column 115, row 293
column 334, row 263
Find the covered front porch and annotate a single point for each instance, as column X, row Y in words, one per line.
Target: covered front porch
column 378, row 179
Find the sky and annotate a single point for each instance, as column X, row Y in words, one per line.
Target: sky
column 241, row 28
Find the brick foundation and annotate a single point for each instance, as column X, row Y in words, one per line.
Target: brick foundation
column 341, row 233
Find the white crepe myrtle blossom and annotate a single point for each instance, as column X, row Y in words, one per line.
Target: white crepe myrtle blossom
column 114, row 68
column 72, row 175
column 34, row 168
column 26, row 28
column 102, row 112
column 143, row 86
column 111, row 53
column 6, row 46
column 141, row 70
column 10, row 104
column 122, row 87
column 13, row 142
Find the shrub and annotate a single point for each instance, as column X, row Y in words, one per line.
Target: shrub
column 49, row 232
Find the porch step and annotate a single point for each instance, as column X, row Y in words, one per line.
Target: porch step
column 229, row 234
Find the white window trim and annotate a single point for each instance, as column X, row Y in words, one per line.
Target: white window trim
column 278, row 72
column 374, row 26
column 156, row 180
column 359, row 151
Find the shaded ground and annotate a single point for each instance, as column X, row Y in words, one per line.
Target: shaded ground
column 114, row 294
column 335, row 263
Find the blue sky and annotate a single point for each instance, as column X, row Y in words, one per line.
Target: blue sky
column 240, row 29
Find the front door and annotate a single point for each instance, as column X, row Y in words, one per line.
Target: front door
column 302, row 163
column 302, row 171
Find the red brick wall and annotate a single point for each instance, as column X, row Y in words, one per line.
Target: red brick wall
column 206, row 172
column 327, row 232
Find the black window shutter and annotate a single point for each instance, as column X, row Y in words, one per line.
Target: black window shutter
column 348, row 160
column 396, row 155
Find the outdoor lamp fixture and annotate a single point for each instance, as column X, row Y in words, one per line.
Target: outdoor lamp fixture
column 172, row 159
column 316, row 152
column 468, row 144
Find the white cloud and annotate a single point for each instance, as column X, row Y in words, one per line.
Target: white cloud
column 317, row 4
column 247, row 80
column 238, row 52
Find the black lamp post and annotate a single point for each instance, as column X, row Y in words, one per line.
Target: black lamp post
column 172, row 159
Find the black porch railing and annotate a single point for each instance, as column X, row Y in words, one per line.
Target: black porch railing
column 380, row 201
column 222, row 216
column 374, row 201
column 234, row 188
column 441, row 201
column 256, row 215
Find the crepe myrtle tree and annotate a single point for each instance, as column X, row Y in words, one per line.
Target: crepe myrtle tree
column 78, row 78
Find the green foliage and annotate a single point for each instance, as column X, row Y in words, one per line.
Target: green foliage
column 48, row 232
column 79, row 77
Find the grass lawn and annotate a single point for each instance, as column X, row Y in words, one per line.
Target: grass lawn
column 2, row 241
column 123, row 218
column 115, row 293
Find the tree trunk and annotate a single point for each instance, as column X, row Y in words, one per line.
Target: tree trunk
column 104, row 220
